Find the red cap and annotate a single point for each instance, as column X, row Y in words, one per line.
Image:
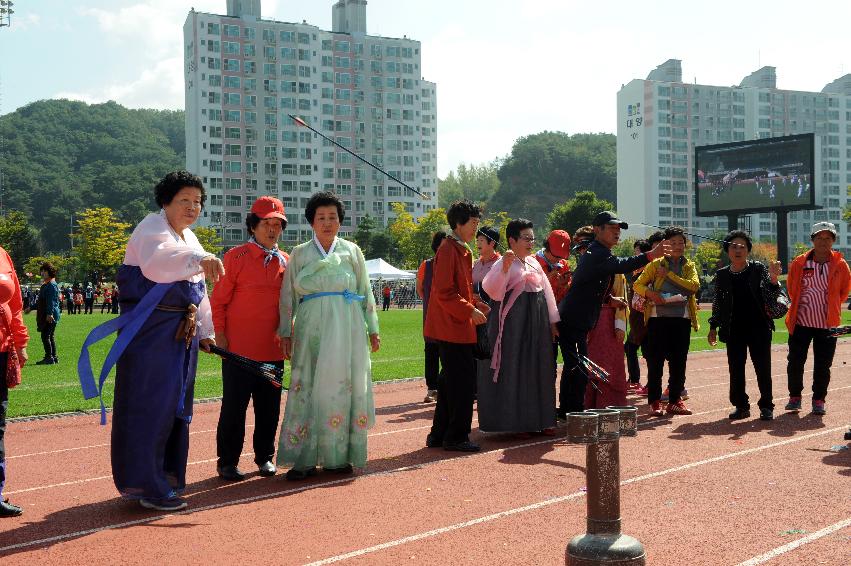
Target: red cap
column 559, row 243
column 268, row 207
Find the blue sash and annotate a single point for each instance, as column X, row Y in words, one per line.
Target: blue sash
column 130, row 321
column 348, row 295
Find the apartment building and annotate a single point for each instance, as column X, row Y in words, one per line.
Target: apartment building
column 661, row 119
column 244, row 76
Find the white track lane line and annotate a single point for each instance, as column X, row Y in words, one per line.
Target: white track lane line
column 251, row 425
column 780, row 550
column 412, row 538
column 554, row 500
column 645, row 419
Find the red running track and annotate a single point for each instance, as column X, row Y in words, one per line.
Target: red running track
column 695, row 490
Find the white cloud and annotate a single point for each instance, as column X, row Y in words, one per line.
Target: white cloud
column 160, row 86
column 24, row 22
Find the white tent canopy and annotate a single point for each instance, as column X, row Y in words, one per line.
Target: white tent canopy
column 380, row 269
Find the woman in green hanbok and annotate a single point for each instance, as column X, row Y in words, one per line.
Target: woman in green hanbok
column 328, row 327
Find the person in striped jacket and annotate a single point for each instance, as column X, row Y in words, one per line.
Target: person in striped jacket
column 818, row 283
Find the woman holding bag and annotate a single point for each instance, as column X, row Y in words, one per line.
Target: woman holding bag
column 13, row 355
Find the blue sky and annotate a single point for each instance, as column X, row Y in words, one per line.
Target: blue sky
column 504, row 68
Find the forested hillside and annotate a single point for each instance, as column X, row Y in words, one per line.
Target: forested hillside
column 549, row 168
column 62, row 156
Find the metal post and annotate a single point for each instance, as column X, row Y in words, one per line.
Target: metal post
column 603, row 543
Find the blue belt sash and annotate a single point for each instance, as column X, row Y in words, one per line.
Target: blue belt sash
column 347, row 295
column 131, row 322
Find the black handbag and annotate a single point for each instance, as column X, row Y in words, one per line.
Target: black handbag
column 482, row 349
column 776, row 301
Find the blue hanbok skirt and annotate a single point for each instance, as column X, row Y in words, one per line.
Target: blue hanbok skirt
column 154, row 389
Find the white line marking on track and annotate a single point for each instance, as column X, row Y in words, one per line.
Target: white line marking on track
column 772, row 554
column 547, row 502
column 342, row 481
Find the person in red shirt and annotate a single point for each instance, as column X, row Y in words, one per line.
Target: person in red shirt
column 451, row 320
column 13, row 339
column 553, row 259
column 386, row 293
column 246, row 316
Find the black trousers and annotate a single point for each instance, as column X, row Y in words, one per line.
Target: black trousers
column 632, row 367
column 385, row 305
column 453, row 414
column 4, row 405
column 758, row 342
column 90, row 304
column 48, row 340
column 238, row 386
column 432, row 365
column 105, row 306
column 571, row 393
column 668, row 339
column 823, row 349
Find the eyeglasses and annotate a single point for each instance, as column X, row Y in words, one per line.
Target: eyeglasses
column 530, row 239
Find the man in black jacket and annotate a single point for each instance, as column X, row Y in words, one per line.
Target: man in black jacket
column 580, row 308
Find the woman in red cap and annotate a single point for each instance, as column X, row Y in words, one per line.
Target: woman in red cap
column 245, row 316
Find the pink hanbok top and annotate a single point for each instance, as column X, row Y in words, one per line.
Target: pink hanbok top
column 524, row 276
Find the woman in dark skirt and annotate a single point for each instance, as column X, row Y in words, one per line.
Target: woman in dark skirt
column 518, row 393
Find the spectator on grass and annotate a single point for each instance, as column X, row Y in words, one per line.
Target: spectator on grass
column 452, row 319
column 246, row 317
column 819, row 281
column 13, row 344
column 386, row 293
column 668, row 285
column 740, row 320
column 516, row 393
column 48, row 313
column 432, row 357
column 107, row 300
column 326, row 291
column 89, row 297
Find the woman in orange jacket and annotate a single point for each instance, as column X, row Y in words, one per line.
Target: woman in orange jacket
column 818, row 283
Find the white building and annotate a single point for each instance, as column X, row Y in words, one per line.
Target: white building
column 661, row 120
column 244, row 75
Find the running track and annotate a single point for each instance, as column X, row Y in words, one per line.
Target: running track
column 695, row 490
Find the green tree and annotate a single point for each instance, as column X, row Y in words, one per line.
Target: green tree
column 19, row 239
column 707, row 257
column 61, row 156
column 364, row 234
column 209, row 239
column 577, row 212
column 549, row 168
column 476, row 183
column 102, row 240
column 67, row 267
column 413, row 237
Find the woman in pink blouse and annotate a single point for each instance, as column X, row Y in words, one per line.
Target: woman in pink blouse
column 518, row 393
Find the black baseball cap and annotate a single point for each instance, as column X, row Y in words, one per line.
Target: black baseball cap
column 608, row 217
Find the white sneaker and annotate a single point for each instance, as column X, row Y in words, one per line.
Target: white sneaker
column 431, row 396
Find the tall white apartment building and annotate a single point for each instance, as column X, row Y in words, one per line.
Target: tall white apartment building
column 661, row 120
column 245, row 74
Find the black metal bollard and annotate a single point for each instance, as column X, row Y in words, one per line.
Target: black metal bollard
column 603, row 543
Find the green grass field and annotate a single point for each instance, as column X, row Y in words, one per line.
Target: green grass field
column 745, row 195
column 56, row 389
